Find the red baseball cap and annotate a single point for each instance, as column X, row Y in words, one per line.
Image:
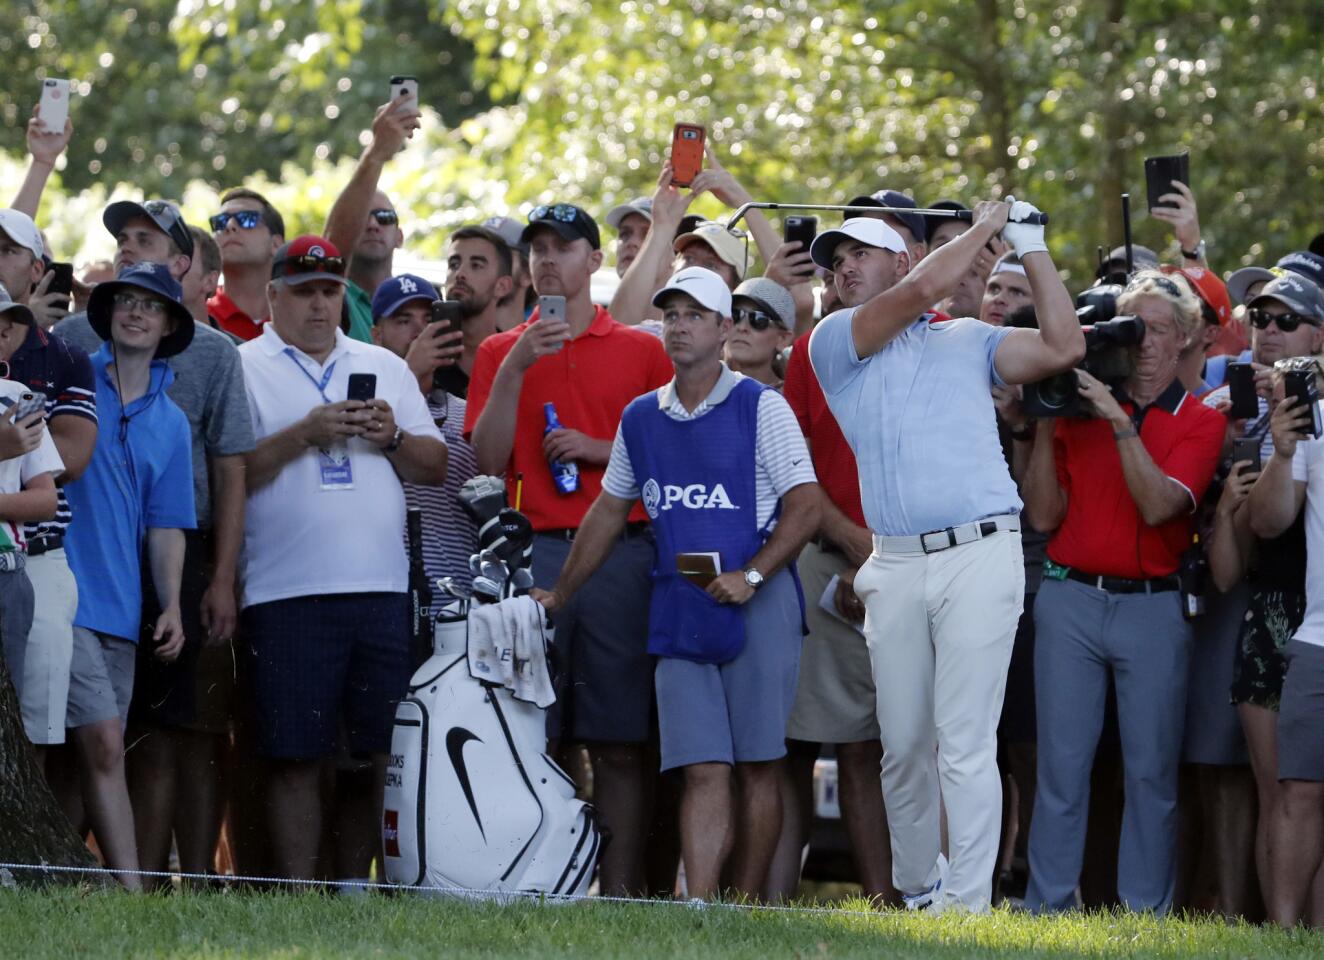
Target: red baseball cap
column 1209, row 288
column 306, row 258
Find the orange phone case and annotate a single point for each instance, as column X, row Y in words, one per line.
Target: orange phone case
column 686, row 153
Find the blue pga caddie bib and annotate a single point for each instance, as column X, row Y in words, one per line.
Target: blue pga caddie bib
column 696, row 479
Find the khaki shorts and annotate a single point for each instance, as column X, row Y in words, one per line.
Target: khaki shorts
column 45, row 687
column 835, row 699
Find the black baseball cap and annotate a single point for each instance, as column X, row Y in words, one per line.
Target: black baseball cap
column 1297, row 293
column 569, row 221
column 891, row 198
column 163, row 213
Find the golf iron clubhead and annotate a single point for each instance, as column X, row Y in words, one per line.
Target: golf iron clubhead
column 486, row 590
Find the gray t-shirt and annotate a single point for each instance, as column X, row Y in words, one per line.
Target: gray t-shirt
column 208, row 387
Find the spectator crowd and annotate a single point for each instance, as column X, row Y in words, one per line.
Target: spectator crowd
column 1043, row 571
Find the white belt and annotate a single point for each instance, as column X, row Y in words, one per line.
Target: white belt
column 938, row 540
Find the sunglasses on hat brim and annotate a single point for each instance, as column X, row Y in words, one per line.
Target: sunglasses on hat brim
column 308, row 263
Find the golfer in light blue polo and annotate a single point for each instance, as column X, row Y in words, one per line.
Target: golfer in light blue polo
column 943, row 588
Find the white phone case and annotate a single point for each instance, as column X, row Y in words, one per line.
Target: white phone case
column 405, row 87
column 54, row 104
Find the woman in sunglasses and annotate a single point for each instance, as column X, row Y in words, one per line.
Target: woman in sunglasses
column 764, row 315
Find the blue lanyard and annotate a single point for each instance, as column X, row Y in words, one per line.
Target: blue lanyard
column 326, row 374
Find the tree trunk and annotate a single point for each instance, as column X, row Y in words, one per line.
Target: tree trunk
column 33, row 827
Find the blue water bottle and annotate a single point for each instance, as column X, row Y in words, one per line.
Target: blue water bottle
column 564, row 475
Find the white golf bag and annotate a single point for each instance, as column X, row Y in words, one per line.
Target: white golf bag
column 473, row 803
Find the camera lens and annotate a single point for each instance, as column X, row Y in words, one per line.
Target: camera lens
column 1056, row 392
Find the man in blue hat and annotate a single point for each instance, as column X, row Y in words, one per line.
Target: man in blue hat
column 401, row 317
column 137, row 491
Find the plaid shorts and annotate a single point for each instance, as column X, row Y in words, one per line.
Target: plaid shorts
column 321, row 661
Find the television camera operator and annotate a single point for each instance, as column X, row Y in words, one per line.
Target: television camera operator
column 1116, row 481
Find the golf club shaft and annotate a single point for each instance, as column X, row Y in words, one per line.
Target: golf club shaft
column 967, row 215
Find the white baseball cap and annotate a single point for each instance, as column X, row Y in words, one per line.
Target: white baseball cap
column 22, row 230
column 867, row 230
column 641, row 206
column 706, row 288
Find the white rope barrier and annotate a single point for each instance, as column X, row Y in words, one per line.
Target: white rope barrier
column 459, row 893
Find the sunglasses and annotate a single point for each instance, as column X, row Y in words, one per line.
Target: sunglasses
column 563, row 212
column 310, row 264
column 387, row 218
column 1287, row 322
column 757, row 319
column 1163, row 283
column 152, row 308
column 247, row 219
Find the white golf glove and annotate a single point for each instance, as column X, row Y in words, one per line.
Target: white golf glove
column 1024, row 238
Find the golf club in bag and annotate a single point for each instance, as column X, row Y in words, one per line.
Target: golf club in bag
column 473, row 804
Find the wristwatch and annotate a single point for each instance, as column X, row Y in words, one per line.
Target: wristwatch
column 1196, row 254
column 396, row 440
column 753, row 578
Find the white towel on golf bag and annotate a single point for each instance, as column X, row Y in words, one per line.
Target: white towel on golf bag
column 508, row 646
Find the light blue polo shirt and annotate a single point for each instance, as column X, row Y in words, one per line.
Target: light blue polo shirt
column 919, row 416
column 140, row 476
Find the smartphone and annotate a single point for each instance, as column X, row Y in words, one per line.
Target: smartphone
column 54, row 104
column 1241, row 389
column 447, row 314
column 551, row 308
column 687, row 141
column 1159, row 174
column 362, row 386
column 1300, row 384
column 405, row 87
column 30, row 402
column 1248, row 449
column 800, row 230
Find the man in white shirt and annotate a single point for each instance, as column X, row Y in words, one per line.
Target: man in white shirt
column 1293, row 477
column 325, row 573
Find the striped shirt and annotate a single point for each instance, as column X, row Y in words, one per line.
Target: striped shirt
column 449, row 536
column 781, row 459
column 62, row 371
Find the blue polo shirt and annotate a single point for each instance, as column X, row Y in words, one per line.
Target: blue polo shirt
column 919, row 415
column 140, row 476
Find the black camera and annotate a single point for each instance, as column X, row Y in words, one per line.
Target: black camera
column 1107, row 339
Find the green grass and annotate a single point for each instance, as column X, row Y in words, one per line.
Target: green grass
column 71, row 923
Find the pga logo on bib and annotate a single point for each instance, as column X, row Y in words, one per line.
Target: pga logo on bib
column 694, row 496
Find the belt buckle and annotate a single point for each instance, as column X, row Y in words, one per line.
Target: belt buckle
column 924, row 540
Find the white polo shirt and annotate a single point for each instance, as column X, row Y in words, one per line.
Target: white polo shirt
column 301, row 538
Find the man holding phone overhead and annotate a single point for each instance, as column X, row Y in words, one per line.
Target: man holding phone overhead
column 590, row 367
column 363, row 221
column 707, row 244
column 1288, row 486
column 1286, row 320
column 325, row 571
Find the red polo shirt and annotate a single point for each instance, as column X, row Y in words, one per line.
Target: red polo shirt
column 591, row 380
column 834, row 461
column 1102, row 532
column 233, row 320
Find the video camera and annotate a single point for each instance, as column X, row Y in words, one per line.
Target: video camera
column 1107, row 337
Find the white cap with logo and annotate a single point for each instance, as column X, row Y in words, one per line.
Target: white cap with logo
column 867, row 230
column 22, row 230
column 700, row 284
